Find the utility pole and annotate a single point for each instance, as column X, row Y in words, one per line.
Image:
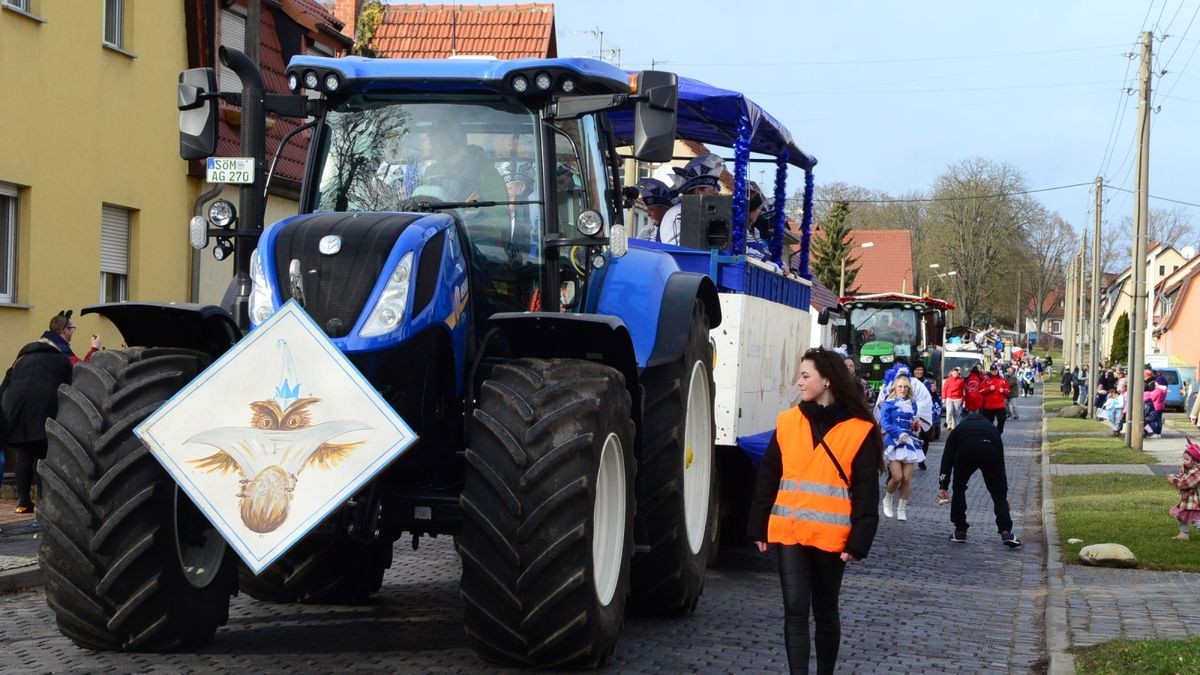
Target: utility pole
column 1068, row 314
column 1094, row 362
column 1137, row 325
column 1082, row 292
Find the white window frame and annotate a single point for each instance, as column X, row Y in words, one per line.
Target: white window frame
column 9, row 210
column 115, row 228
column 117, row 9
column 26, row 8
column 22, row 5
column 1055, row 327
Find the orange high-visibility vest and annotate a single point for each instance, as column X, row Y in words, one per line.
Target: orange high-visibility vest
column 812, row 507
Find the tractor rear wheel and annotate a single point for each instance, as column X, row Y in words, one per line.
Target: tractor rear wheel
column 130, row 562
column 548, row 509
column 678, row 510
column 321, row 569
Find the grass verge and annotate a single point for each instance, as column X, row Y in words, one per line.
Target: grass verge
column 1123, row 509
column 1058, row 425
column 1140, row 656
column 1095, row 450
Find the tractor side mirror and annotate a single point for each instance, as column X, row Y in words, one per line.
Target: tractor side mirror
column 654, row 116
column 197, row 113
column 823, row 317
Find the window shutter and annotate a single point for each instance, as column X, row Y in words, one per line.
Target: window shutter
column 114, row 240
column 233, row 36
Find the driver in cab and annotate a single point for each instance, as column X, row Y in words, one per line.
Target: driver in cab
column 459, row 172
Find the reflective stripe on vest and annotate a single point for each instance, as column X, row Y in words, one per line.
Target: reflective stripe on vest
column 812, row 506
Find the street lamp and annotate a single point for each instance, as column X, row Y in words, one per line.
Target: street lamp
column 842, row 282
column 939, row 275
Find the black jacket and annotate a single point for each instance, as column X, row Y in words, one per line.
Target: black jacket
column 864, row 480
column 973, row 434
column 29, row 393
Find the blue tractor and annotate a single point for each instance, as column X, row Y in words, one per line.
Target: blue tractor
column 460, row 240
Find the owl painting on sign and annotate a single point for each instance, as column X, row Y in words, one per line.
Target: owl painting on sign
column 269, row 455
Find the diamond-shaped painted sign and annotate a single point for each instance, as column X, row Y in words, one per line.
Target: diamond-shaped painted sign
column 275, row 435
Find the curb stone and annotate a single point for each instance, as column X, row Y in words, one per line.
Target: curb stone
column 21, row 578
column 1057, row 628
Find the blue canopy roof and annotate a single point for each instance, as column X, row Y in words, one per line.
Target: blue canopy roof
column 710, row 114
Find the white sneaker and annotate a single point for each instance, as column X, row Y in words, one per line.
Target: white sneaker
column 900, row 514
column 887, row 505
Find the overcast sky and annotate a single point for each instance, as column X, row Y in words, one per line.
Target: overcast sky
column 887, row 94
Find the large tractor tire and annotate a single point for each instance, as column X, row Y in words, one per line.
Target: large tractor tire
column 548, row 514
column 130, row 563
column 321, row 569
column 678, row 512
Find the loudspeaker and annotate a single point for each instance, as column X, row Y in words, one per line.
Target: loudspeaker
column 706, row 221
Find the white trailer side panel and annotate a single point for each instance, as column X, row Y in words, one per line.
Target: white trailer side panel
column 758, row 348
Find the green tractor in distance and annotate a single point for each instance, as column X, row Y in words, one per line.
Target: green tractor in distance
column 885, row 328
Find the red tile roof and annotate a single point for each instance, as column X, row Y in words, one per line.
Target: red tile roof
column 439, row 31
column 886, row 267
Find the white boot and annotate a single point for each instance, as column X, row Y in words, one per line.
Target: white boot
column 900, row 514
column 887, row 504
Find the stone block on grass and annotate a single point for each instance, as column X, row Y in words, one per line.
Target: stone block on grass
column 1107, row 555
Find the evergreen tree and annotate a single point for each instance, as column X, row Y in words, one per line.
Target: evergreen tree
column 830, row 245
column 1120, row 341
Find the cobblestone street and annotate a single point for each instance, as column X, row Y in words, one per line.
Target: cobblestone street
column 919, row 604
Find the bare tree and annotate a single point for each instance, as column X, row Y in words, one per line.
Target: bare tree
column 1050, row 240
column 1169, row 227
column 976, row 221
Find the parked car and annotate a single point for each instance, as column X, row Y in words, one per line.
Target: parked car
column 1179, row 381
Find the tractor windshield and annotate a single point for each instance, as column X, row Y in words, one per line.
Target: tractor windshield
column 896, row 325
column 474, row 157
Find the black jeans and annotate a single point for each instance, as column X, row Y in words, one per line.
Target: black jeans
column 25, row 468
column 996, row 416
column 811, row 577
column 991, row 464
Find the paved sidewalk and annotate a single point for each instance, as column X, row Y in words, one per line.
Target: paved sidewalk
column 1091, row 605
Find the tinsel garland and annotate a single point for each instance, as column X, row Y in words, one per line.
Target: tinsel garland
column 741, row 157
column 806, row 224
column 780, row 216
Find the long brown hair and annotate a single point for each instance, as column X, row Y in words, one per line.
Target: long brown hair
column 832, row 366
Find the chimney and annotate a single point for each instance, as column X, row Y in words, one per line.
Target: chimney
column 347, row 12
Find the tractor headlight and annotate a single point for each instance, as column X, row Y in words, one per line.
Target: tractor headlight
column 887, row 358
column 221, row 213
column 261, row 306
column 389, row 309
column 618, row 240
column 542, row 81
column 590, row 223
column 311, row 80
column 865, row 358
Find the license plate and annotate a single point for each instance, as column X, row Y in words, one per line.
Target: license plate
column 230, row 170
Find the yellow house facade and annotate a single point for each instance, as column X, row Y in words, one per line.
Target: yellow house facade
column 94, row 200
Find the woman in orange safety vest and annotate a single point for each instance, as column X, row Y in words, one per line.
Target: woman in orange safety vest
column 818, row 499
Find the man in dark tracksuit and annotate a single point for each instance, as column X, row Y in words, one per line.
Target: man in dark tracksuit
column 976, row 445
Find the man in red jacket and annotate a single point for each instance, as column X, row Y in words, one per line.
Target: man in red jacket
column 995, row 391
column 953, row 388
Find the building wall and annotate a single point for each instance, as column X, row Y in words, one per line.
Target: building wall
column 84, row 126
column 1180, row 341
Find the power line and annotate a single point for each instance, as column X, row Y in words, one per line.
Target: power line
column 1181, row 71
column 1181, row 37
column 815, row 92
column 952, row 199
column 1162, row 199
column 915, row 60
column 1123, row 96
